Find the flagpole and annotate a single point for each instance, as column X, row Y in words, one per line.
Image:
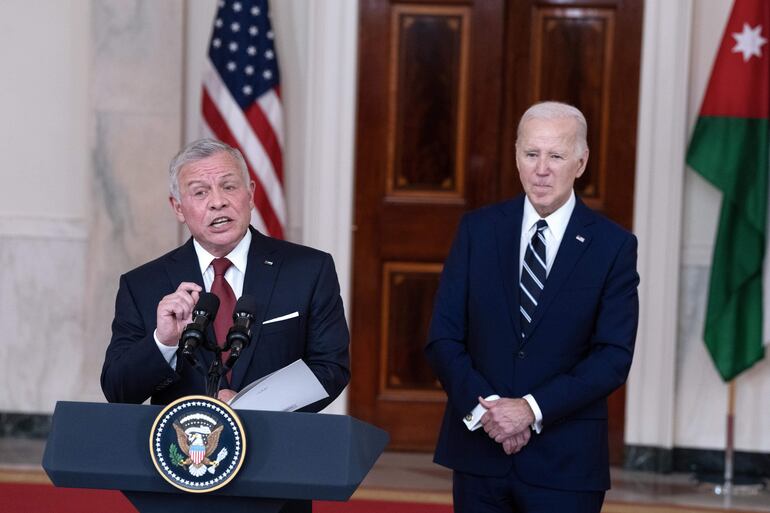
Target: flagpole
column 727, row 487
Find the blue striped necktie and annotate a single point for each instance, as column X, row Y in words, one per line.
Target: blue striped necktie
column 533, row 274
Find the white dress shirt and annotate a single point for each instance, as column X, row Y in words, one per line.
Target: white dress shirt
column 234, row 276
column 557, row 225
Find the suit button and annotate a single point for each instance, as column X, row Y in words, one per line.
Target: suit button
column 521, row 354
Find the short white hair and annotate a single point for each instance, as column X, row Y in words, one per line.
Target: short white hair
column 557, row 110
column 200, row 150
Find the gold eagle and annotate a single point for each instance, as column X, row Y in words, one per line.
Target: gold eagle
column 211, row 445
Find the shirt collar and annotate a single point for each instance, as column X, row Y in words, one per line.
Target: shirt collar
column 557, row 221
column 238, row 256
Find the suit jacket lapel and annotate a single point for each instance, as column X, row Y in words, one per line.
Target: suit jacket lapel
column 508, row 235
column 570, row 251
column 182, row 265
column 262, row 268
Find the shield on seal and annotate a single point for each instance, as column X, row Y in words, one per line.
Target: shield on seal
column 197, row 452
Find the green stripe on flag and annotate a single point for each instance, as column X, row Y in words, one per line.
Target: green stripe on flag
column 732, row 154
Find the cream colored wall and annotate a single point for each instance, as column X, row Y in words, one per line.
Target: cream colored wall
column 44, row 165
column 91, row 107
column 44, row 53
column 40, row 101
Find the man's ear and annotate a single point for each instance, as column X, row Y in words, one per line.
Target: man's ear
column 583, row 164
column 176, row 206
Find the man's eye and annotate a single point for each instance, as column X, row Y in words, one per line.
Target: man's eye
column 199, row 193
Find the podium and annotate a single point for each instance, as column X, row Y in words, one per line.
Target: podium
column 289, row 457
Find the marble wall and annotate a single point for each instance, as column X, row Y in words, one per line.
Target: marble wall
column 88, row 168
column 137, row 50
column 43, row 229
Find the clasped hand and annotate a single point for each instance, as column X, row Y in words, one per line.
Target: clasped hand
column 507, row 421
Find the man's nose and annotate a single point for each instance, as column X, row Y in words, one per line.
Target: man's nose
column 218, row 199
column 542, row 167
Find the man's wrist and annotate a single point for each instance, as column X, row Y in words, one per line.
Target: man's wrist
column 168, row 352
column 473, row 419
column 537, row 423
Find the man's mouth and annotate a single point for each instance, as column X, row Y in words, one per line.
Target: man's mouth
column 219, row 221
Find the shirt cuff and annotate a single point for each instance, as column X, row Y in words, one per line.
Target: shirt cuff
column 473, row 419
column 537, row 426
column 168, row 352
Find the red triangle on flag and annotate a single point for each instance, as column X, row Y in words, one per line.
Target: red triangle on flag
column 740, row 79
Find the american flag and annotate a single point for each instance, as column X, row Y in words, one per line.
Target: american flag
column 242, row 104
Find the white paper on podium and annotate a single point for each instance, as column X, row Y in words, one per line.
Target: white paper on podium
column 286, row 389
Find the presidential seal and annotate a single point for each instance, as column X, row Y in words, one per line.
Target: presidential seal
column 197, row 444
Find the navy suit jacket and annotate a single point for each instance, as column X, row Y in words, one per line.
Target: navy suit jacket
column 577, row 352
column 283, row 277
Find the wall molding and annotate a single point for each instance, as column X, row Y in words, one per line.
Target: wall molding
column 24, row 425
column 43, row 227
column 696, row 461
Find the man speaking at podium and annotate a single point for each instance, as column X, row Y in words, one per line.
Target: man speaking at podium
column 300, row 312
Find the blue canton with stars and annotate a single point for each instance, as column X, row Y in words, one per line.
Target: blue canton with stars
column 242, row 49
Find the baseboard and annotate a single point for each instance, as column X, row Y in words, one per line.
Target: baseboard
column 700, row 461
column 24, row 425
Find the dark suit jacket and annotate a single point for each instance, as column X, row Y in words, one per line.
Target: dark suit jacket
column 578, row 351
column 299, row 279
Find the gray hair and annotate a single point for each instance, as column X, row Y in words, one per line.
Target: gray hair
column 557, row 110
column 199, row 150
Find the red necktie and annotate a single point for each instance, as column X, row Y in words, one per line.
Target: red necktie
column 224, row 292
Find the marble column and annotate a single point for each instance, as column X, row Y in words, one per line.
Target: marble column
column 137, row 97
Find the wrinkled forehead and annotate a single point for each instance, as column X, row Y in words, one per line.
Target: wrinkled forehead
column 216, row 167
column 547, row 133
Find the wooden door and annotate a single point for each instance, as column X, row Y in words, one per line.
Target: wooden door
column 442, row 84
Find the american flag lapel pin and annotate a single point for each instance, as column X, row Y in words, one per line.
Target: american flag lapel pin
column 580, row 238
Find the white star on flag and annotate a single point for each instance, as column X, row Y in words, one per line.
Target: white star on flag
column 749, row 42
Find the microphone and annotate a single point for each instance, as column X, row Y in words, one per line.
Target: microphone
column 239, row 335
column 194, row 333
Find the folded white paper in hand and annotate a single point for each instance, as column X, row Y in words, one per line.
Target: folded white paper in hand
column 287, row 389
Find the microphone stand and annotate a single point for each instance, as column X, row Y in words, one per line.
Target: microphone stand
column 216, row 371
column 213, row 378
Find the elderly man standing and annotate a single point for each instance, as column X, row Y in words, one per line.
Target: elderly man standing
column 533, row 327
column 300, row 310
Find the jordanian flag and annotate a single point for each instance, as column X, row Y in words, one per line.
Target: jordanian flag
column 729, row 148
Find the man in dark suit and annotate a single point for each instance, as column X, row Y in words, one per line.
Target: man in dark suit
column 296, row 288
column 533, row 327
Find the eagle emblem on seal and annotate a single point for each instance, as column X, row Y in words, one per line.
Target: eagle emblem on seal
column 198, row 443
